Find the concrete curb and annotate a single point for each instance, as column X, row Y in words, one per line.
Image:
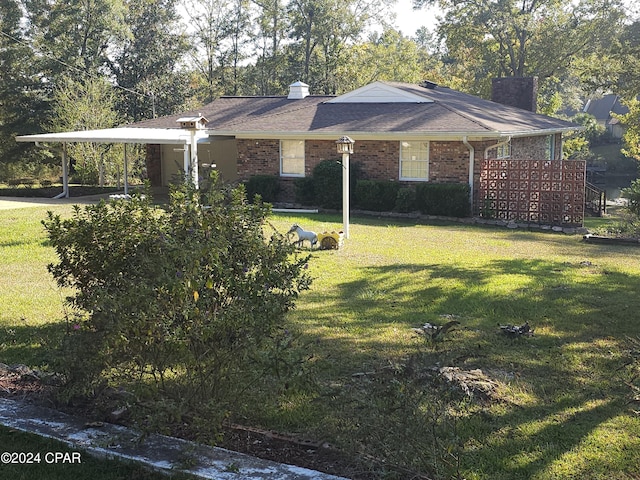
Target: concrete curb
column 157, row 452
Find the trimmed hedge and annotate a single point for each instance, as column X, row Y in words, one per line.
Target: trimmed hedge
column 267, row 186
column 446, row 199
column 324, row 187
column 376, row 195
column 405, row 200
column 305, row 192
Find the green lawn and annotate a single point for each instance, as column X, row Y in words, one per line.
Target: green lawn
column 561, row 405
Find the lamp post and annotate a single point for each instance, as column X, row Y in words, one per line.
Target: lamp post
column 345, row 147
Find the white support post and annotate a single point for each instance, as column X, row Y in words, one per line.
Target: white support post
column 65, row 172
column 187, row 162
column 345, row 194
column 194, row 160
column 126, row 171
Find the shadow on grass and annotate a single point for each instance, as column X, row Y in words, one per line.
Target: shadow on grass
column 569, row 370
column 32, row 345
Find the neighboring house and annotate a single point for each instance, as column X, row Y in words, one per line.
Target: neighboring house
column 403, row 132
column 604, row 110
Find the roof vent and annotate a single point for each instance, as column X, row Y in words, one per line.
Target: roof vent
column 428, row 84
column 298, row 91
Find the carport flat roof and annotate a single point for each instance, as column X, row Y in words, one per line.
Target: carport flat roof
column 114, row 135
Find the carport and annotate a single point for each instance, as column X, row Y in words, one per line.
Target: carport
column 187, row 138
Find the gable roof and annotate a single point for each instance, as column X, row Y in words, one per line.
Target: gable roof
column 602, row 108
column 380, row 109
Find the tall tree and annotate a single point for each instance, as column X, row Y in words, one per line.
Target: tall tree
column 86, row 105
column 147, row 61
column 388, row 56
column 273, row 24
column 322, row 30
column 211, row 20
column 524, row 37
column 22, row 103
column 74, row 35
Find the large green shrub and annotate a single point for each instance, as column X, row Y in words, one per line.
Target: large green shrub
column 447, row 199
column 327, row 183
column 184, row 306
column 304, row 191
column 266, row 186
column 376, row 195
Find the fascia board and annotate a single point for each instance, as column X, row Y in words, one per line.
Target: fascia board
column 113, row 135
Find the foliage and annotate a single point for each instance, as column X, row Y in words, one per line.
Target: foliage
column 376, row 195
column 485, row 39
column 267, row 186
column 87, row 105
column 632, row 194
column 179, row 306
column 22, row 103
column 447, row 199
column 74, row 36
column 631, row 136
column 562, row 394
column 406, row 200
column 147, row 61
column 389, row 56
column 327, row 183
column 304, row 190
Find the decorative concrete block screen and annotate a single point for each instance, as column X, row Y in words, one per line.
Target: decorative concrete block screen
column 533, row 191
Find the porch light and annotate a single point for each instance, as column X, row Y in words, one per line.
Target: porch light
column 344, row 146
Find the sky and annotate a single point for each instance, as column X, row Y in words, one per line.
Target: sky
column 409, row 20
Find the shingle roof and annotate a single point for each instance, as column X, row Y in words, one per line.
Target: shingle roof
column 451, row 113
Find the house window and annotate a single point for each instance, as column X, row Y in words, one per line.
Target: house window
column 414, row 160
column 292, row 158
column 504, row 150
column 550, row 147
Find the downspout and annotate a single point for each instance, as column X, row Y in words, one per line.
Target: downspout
column 499, row 144
column 472, row 157
column 65, row 171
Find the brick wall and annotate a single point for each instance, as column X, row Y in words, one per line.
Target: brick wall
column 258, row 157
column 448, row 162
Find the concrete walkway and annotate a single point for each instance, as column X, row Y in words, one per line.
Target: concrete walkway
column 7, row 203
column 154, row 451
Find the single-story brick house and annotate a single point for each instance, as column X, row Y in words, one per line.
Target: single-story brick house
column 403, row 132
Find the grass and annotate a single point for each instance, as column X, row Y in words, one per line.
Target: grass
column 561, row 408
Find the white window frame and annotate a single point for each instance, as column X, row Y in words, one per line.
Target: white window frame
column 425, row 159
column 290, row 173
column 503, row 151
column 550, row 147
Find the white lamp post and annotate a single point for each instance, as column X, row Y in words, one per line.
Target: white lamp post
column 345, row 147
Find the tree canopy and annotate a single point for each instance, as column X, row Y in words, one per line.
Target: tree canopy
column 163, row 56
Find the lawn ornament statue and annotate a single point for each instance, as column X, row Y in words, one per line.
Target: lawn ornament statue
column 303, row 235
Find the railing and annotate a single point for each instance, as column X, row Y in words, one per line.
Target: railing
column 595, row 199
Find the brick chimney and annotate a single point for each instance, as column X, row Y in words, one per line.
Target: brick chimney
column 520, row 92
